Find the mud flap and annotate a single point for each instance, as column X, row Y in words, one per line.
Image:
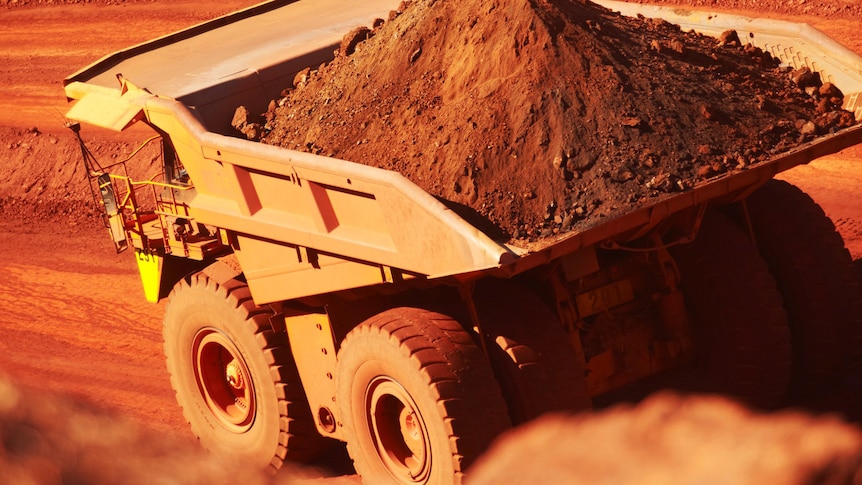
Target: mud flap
column 150, row 266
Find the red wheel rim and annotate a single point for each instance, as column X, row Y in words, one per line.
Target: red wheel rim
column 398, row 430
column 223, row 380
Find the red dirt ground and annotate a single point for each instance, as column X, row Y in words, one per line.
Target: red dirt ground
column 73, row 316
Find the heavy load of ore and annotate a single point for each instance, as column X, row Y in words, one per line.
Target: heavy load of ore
column 546, row 116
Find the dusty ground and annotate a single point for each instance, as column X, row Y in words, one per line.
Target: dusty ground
column 72, row 314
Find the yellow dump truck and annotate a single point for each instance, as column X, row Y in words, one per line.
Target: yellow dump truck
column 313, row 299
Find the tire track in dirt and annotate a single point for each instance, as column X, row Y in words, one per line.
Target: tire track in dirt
column 74, row 321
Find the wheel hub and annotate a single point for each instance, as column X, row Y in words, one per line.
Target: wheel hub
column 223, row 380
column 234, row 376
column 398, row 430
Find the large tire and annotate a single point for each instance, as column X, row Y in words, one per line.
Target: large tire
column 538, row 370
column 816, row 277
column 234, row 377
column 738, row 321
column 418, row 401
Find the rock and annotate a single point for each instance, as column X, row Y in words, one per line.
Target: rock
column 729, row 37
column 242, row 123
column 241, row 118
column 352, row 39
column 824, row 105
column 705, row 171
column 804, row 77
column 665, row 182
column 561, row 166
column 836, row 120
column 677, row 46
column 623, row 174
column 252, row 131
column 301, row 77
column 829, row 90
column 631, row 122
column 808, row 128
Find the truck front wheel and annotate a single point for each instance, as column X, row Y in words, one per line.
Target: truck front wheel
column 418, row 401
column 234, row 377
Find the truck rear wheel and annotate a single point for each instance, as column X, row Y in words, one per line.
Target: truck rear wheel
column 418, row 401
column 738, row 321
column 815, row 275
column 234, row 377
column 535, row 365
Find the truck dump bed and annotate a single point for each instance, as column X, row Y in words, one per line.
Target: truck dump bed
column 245, row 58
column 366, row 225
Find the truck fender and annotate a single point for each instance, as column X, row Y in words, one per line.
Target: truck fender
column 159, row 273
column 312, row 343
column 223, row 269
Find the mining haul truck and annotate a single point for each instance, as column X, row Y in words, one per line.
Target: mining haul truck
column 312, row 300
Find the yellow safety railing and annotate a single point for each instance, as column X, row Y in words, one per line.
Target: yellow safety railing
column 124, row 211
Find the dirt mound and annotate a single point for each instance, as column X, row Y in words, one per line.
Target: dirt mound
column 49, row 439
column 42, row 177
column 547, row 115
column 672, row 440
